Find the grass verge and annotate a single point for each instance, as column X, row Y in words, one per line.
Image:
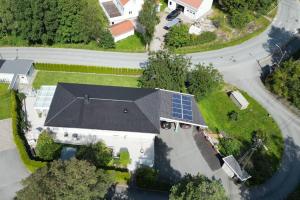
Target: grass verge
column 5, row 111
column 132, row 44
column 52, row 78
column 215, row 108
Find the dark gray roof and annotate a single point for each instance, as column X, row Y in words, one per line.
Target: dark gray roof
column 102, row 107
column 19, row 66
column 236, row 168
column 166, row 108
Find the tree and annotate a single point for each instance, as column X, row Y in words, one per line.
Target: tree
column 146, row 177
column 233, row 115
column 178, row 36
column 285, row 81
column 165, row 70
column 98, row 154
column 67, row 180
column 106, row 40
column 203, row 80
column 148, row 19
column 46, row 148
column 229, row 146
column 239, row 19
column 197, row 188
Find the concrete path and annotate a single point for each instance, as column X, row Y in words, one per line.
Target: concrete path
column 159, row 35
column 12, row 170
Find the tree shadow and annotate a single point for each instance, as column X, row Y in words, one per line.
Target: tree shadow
column 281, row 45
column 284, row 181
column 162, row 163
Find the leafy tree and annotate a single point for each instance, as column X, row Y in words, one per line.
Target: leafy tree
column 98, row 154
column 229, row 146
column 148, row 19
column 106, row 40
column 178, row 36
column 197, row 188
column 285, row 81
column 165, row 70
column 203, row 80
column 46, row 148
column 67, row 180
column 146, row 177
column 6, row 18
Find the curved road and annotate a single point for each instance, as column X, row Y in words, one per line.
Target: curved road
column 240, row 66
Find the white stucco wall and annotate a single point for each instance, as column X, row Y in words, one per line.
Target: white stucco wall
column 190, row 11
column 123, row 36
column 139, row 145
column 4, row 77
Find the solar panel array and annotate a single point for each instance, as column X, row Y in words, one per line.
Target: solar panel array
column 182, row 107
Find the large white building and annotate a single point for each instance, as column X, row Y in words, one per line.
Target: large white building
column 14, row 72
column 193, row 9
column 121, row 117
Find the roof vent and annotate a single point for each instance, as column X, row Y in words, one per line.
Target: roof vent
column 125, row 110
column 86, row 99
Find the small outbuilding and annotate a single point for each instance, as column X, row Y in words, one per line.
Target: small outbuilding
column 16, row 71
column 122, row 30
column 239, row 100
column 233, row 169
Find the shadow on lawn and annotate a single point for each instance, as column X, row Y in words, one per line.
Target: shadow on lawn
column 284, row 181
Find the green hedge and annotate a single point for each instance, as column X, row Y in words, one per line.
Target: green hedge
column 87, row 69
column 30, row 164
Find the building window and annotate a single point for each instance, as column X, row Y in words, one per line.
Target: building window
column 170, row 3
column 130, row 12
column 112, row 23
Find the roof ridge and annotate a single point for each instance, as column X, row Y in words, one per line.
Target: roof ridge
column 60, row 111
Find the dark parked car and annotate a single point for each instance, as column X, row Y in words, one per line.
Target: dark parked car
column 185, row 126
column 165, row 125
column 174, row 14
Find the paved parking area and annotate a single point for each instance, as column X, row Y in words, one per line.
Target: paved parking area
column 12, row 170
column 184, row 152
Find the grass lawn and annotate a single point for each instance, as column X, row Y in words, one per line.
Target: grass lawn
column 52, row 78
column 130, row 44
column 4, row 101
column 215, row 108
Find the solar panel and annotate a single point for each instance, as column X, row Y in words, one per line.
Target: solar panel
column 182, row 107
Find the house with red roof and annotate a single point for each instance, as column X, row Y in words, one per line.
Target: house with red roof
column 193, row 9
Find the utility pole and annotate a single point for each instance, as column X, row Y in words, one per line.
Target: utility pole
column 281, row 52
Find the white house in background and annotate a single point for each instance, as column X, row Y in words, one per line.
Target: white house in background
column 122, row 30
column 193, row 9
column 14, row 72
column 120, row 10
column 239, row 100
column 121, row 117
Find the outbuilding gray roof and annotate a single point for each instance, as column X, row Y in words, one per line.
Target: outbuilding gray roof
column 19, row 66
column 236, row 168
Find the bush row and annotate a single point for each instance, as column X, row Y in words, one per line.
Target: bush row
column 19, row 139
column 87, row 69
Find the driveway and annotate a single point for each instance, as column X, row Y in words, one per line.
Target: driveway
column 184, row 152
column 12, row 170
column 159, row 34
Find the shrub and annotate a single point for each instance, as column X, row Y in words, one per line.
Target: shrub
column 98, row 154
column 239, row 19
column 87, row 69
column 46, row 148
column 124, row 159
column 147, row 177
column 233, row 115
column 19, row 138
column 203, row 38
column 178, row 36
column 106, row 40
column 229, row 146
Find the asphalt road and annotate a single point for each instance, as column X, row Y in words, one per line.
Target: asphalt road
column 240, row 66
